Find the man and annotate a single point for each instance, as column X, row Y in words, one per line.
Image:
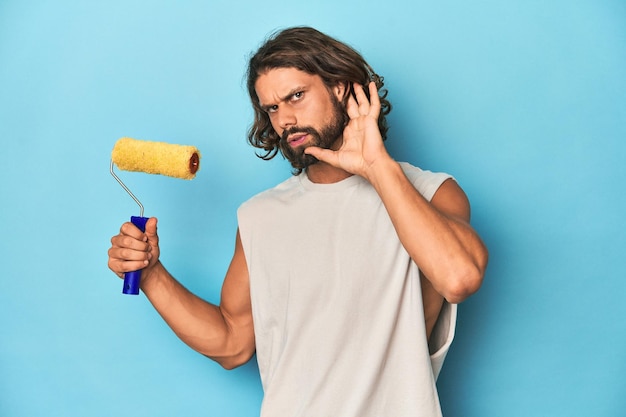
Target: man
column 342, row 273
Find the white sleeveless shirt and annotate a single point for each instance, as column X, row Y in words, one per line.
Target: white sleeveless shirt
column 337, row 304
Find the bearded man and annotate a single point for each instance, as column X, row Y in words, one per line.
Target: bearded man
column 346, row 276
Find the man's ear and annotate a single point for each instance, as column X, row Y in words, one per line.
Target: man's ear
column 341, row 91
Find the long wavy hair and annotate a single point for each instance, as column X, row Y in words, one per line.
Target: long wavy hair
column 315, row 53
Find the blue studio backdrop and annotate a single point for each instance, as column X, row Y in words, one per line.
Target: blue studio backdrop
column 524, row 102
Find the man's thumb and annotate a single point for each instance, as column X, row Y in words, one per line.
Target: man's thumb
column 151, row 227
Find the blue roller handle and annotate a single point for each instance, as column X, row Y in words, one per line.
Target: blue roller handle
column 132, row 279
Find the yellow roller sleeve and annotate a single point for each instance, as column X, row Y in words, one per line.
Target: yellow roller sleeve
column 179, row 161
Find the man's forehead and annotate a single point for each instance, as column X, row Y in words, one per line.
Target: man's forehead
column 279, row 83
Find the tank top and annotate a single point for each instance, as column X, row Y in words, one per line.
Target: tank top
column 336, row 303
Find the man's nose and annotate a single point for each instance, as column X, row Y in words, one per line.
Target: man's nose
column 286, row 118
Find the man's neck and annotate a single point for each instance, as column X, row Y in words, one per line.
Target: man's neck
column 323, row 173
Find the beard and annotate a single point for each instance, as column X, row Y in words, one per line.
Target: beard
column 324, row 138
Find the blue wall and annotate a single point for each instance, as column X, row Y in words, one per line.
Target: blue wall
column 523, row 101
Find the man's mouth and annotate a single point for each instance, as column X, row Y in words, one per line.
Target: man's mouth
column 296, row 139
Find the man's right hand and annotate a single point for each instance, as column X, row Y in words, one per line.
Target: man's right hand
column 224, row 333
column 132, row 249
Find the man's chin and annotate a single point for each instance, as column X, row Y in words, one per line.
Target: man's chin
column 304, row 161
column 301, row 161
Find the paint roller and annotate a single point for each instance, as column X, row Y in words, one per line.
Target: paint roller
column 178, row 161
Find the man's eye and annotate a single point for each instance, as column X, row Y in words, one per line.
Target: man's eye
column 297, row 96
column 272, row 109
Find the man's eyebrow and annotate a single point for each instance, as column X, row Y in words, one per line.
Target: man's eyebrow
column 286, row 97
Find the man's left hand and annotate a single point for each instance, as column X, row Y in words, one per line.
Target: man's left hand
column 362, row 145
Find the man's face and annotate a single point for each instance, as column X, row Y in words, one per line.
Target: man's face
column 303, row 112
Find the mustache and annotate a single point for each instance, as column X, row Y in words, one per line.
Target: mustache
column 296, row 129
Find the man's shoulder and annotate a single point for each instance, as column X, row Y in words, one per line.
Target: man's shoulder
column 276, row 193
column 425, row 181
column 414, row 172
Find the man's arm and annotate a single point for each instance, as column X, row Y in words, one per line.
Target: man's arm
column 436, row 234
column 224, row 333
column 432, row 299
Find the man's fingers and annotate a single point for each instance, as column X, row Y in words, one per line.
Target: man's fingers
column 324, row 155
column 361, row 99
column 131, row 237
column 120, row 267
column 362, row 106
column 129, row 257
column 129, row 229
column 374, row 100
column 125, row 241
column 352, row 108
column 127, row 254
column 132, row 249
